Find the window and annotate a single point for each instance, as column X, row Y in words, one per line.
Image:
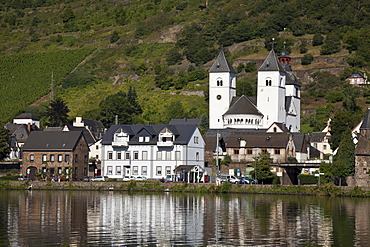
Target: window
column 119, row 155
column 110, row 170
column 159, row 170
column 52, row 158
column 145, row 155
column 66, row 158
column 44, row 157
column 324, row 147
column 141, row 138
column 59, row 170
column 275, row 129
column 32, row 158
column 60, row 157
column 147, row 139
column 97, row 156
column 364, row 170
column 196, row 139
column 85, row 159
column 277, row 151
column 168, row 155
column 97, row 147
column 178, row 155
column 168, row 170
column 127, row 155
column 236, row 151
column 110, row 155
column 76, row 158
column 159, row 155
column 136, row 155
column 144, row 170
column 218, row 97
column 135, row 170
column 249, row 151
column 197, row 156
column 118, row 170
column 219, row 83
column 264, row 151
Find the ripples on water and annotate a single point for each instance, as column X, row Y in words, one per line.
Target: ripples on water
column 58, row 218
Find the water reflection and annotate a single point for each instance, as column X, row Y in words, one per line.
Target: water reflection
column 59, row 218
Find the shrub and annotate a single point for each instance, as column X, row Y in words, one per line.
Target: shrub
column 307, row 59
column 307, row 179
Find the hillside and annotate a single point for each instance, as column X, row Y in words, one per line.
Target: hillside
column 164, row 48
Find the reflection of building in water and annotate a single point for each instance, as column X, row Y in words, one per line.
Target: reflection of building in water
column 152, row 218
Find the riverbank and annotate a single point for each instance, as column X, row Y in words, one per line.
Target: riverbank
column 133, row 186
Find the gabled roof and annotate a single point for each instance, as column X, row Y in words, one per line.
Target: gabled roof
column 221, row 64
column 271, row 63
column 291, row 78
column 299, row 140
column 357, row 74
column 260, row 140
column 182, row 133
column 52, row 140
column 242, row 105
column 318, row 136
column 366, row 123
column 26, row 116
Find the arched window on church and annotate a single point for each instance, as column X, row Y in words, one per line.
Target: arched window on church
column 270, row 82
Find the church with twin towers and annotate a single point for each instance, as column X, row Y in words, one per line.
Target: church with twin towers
column 277, row 101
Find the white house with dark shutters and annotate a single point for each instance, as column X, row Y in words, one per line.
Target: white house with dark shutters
column 152, row 151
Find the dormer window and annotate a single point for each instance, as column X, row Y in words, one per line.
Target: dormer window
column 147, row 138
column 120, row 139
column 141, row 138
column 165, row 138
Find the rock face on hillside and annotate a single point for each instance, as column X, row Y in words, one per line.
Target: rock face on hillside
column 334, row 65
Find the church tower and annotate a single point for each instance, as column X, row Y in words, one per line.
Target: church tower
column 271, row 91
column 292, row 93
column 222, row 88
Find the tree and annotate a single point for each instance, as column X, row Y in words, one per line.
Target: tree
column 307, row 59
column 341, row 122
column 57, row 113
column 4, row 147
column 114, row 37
column 261, row 165
column 331, row 45
column 346, row 154
column 132, row 98
column 67, row 15
column 317, row 40
column 174, row 110
column 121, row 105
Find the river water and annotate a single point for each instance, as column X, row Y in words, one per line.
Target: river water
column 93, row 218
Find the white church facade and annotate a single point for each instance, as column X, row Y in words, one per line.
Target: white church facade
column 278, row 96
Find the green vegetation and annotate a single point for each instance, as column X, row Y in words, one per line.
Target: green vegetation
column 24, row 78
column 164, row 48
column 4, row 138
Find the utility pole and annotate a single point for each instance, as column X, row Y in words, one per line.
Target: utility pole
column 52, row 87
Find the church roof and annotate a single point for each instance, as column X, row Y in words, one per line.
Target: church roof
column 242, row 105
column 366, row 123
column 271, row 63
column 221, row 64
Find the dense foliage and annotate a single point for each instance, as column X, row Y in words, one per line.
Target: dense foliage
column 4, row 138
column 24, row 78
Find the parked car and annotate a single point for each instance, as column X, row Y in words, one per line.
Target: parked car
column 247, row 180
column 140, row 178
column 87, row 179
column 98, row 178
column 229, row 178
column 129, row 178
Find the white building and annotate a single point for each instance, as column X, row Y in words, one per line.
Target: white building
column 278, row 96
column 26, row 118
column 153, row 151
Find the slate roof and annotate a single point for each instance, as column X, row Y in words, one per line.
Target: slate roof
column 19, row 131
column 52, row 140
column 366, row 123
column 263, row 140
column 26, row 116
column 221, row 64
column 191, row 121
column 291, row 78
column 182, row 133
column 299, row 140
column 242, row 105
column 271, row 63
column 357, row 74
column 318, row 136
column 254, row 138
